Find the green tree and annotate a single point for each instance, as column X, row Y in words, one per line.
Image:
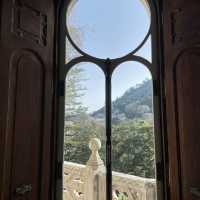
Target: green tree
column 74, row 91
column 76, row 146
column 75, row 111
column 133, row 148
column 132, row 145
column 132, row 138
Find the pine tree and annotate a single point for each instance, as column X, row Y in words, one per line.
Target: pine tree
column 74, row 91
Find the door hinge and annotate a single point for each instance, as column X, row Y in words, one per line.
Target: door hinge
column 61, row 88
column 59, row 170
column 159, row 171
column 156, row 88
column 162, row 18
column 23, row 189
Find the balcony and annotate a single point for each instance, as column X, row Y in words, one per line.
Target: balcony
column 87, row 182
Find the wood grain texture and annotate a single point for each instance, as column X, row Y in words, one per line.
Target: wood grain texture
column 181, row 30
column 27, row 73
column 26, row 121
column 188, row 112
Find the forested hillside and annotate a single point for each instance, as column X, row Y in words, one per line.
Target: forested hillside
column 135, row 103
column 132, row 127
column 132, row 121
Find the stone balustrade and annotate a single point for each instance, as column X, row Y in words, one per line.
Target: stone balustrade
column 88, row 182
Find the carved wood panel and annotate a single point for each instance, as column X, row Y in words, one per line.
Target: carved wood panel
column 181, row 19
column 26, row 120
column 181, row 56
column 29, row 23
column 27, row 75
column 188, row 127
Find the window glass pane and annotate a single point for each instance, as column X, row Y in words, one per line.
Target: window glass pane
column 110, row 29
column 145, row 51
column 133, row 154
column 70, row 52
column 84, row 135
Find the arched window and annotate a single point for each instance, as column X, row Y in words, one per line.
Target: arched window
column 110, row 133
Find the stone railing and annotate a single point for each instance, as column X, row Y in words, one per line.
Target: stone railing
column 88, row 182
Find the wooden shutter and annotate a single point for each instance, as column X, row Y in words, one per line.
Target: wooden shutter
column 182, row 88
column 26, row 97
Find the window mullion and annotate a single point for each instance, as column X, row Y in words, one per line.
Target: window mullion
column 108, row 134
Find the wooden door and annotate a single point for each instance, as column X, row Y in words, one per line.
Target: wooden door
column 182, row 88
column 26, row 98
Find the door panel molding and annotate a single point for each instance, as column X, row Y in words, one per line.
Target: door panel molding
column 187, row 98
column 181, row 42
column 27, row 79
column 26, row 107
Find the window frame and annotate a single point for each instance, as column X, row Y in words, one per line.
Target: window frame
column 108, row 66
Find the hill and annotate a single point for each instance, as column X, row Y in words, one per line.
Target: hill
column 135, row 103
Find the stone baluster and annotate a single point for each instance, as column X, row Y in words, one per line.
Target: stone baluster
column 114, row 196
column 95, row 184
column 150, row 191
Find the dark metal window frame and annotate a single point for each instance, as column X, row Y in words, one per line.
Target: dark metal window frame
column 108, row 66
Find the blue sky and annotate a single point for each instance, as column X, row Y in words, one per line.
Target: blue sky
column 110, row 29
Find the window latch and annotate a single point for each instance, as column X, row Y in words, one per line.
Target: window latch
column 23, row 189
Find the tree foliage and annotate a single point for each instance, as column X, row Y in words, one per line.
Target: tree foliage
column 76, row 145
column 132, row 134
column 133, row 148
column 135, row 103
column 132, row 140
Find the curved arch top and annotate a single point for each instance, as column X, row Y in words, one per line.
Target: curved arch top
column 108, row 65
column 132, row 49
column 113, row 64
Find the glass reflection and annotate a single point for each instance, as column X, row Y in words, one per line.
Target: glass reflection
column 109, row 34
column 84, row 135
column 133, row 154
